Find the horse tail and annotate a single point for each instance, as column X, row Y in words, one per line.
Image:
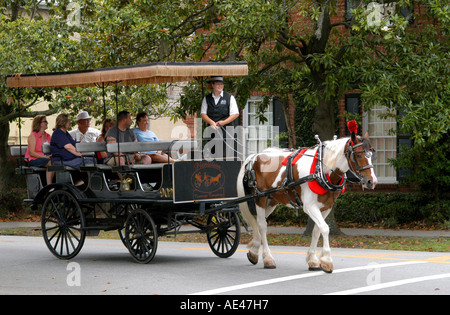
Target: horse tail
column 242, row 189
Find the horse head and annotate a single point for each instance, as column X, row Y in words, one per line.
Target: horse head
column 360, row 154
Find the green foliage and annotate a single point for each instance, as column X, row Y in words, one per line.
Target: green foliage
column 12, row 195
column 292, row 48
column 391, row 209
column 429, row 165
column 405, row 67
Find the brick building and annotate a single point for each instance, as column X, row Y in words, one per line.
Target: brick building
column 385, row 142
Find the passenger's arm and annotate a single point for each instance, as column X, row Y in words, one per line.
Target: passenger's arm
column 69, row 147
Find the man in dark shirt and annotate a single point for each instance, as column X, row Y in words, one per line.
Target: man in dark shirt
column 123, row 132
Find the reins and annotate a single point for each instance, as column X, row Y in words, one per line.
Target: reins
column 289, row 184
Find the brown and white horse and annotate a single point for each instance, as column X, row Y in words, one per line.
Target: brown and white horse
column 339, row 156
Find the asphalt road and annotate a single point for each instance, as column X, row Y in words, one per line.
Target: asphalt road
column 105, row 267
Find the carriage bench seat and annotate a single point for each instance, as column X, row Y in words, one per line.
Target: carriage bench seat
column 130, row 147
column 55, row 168
column 88, row 149
column 19, row 151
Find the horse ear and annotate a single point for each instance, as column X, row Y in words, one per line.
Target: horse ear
column 353, row 137
column 366, row 135
column 353, row 128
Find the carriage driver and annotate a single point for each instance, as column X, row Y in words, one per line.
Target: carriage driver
column 219, row 108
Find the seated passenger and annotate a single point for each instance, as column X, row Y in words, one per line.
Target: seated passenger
column 123, row 132
column 62, row 145
column 143, row 134
column 107, row 124
column 84, row 132
column 34, row 155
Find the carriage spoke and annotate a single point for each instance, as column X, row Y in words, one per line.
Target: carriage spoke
column 62, row 225
column 141, row 236
column 224, row 236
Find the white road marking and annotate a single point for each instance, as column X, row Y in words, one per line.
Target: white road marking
column 390, row 284
column 300, row 276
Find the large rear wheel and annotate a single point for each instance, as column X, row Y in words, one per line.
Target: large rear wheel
column 63, row 224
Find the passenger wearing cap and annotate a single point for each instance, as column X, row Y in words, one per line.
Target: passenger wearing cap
column 84, row 133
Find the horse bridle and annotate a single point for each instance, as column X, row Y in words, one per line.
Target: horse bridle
column 350, row 153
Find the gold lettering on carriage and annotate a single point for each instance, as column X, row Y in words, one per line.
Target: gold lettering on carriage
column 166, row 192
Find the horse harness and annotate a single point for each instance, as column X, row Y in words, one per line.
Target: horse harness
column 319, row 176
column 289, row 184
column 368, row 152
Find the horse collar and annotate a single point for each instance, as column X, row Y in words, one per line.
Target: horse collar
column 323, row 179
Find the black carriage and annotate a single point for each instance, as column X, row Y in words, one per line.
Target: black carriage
column 141, row 202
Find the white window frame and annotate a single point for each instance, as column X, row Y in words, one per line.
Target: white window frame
column 261, row 133
column 385, row 143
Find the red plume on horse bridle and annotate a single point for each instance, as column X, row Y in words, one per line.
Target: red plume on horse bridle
column 352, row 126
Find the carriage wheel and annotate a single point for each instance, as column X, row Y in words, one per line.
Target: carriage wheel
column 141, row 236
column 225, row 235
column 63, row 224
column 123, row 211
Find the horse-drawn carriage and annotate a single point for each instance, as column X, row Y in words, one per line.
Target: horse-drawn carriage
column 142, row 202
column 158, row 199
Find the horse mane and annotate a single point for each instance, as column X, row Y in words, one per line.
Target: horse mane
column 333, row 156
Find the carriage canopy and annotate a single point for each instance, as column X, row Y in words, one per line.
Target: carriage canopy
column 153, row 73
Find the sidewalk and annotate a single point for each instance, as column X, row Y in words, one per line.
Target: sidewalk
column 368, row 232
column 290, row 230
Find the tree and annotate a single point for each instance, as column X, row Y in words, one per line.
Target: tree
column 29, row 44
column 306, row 50
column 103, row 34
column 309, row 49
column 404, row 67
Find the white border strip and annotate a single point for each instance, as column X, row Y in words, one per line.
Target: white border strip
column 300, row 276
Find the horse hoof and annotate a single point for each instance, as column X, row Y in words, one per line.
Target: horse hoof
column 328, row 268
column 314, row 266
column 314, row 269
column 270, row 265
column 252, row 258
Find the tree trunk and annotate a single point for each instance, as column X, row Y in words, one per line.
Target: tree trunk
column 324, row 124
column 5, row 171
column 288, row 104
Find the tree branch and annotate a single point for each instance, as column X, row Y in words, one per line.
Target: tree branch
column 272, row 64
column 341, row 24
column 14, row 115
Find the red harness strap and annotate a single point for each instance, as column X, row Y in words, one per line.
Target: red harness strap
column 313, row 185
column 295, row 160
